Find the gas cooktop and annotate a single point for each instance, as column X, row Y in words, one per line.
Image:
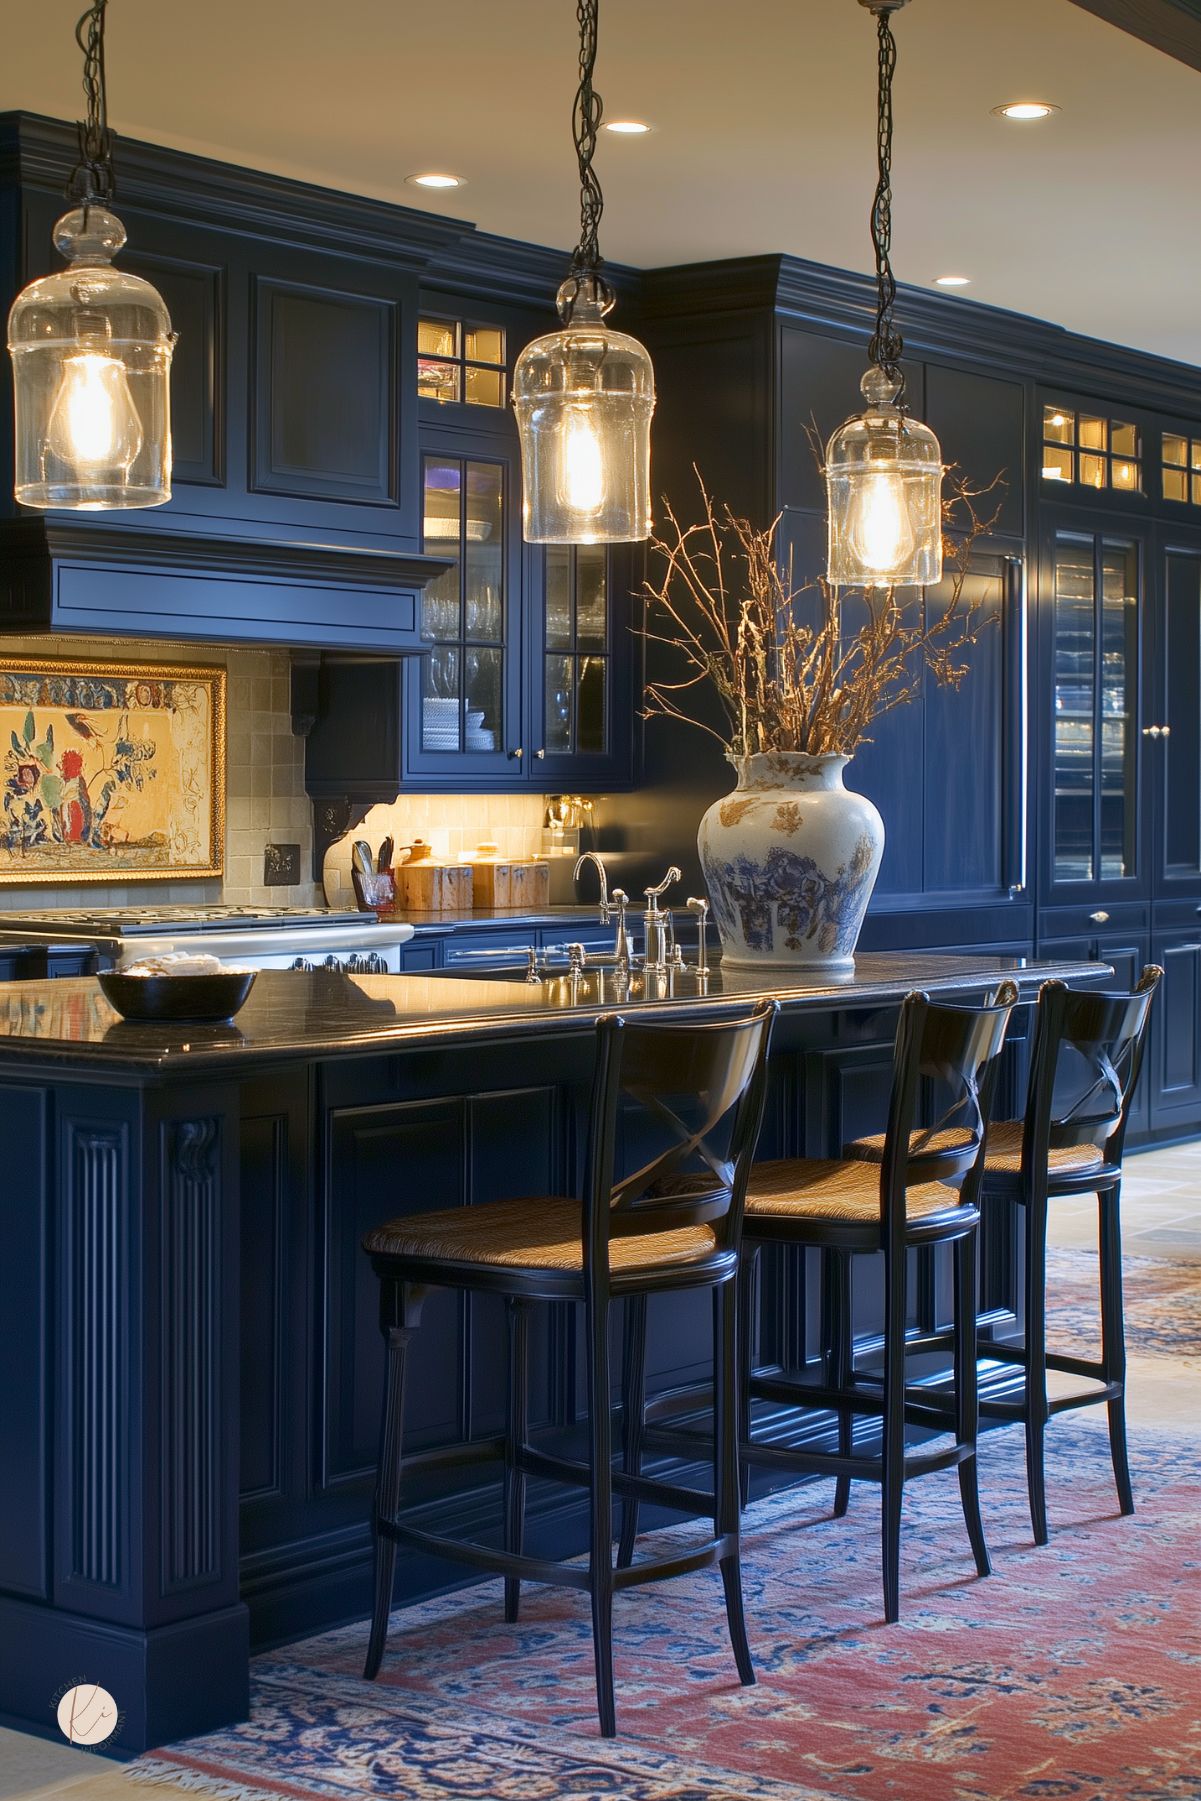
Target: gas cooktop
column 130, row 922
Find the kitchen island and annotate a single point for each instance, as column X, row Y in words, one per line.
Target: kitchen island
column 188, row 1342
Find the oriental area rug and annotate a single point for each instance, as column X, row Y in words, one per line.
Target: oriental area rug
column 1073, row 1673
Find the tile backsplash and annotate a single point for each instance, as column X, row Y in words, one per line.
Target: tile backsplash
column 265, row 797
column 453, row 824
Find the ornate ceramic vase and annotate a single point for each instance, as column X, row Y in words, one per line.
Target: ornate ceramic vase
column 790, row 861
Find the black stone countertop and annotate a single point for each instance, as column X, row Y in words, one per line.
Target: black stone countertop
column 298, row 1014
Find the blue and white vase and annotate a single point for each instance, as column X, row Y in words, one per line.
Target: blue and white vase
column 790, row 860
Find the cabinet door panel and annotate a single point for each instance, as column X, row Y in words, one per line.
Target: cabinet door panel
column 367, row 1146
column 445, row 1150
column 1175, row 759
column 946, row 768
column 819, row 388
column 980, row 423
column 1097, row 831
column 325, row 387
column 1176, row 1034
column 194, row 295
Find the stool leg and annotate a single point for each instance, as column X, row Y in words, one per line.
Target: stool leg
column 966, row 1399
column 1113, row 1340
column 388, row 1473
column 836, row 1277
column 726, row 1485
column 600, row 1549
column 1036, row 1415
column 517, row 1314
column 633, row 1391
column 893, row 1434
column 748, row 1276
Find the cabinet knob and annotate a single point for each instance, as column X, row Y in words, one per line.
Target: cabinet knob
column 540, row 754
column 1150, row 731
column 1165, row 731
column 1100, row 918
column 517, row 754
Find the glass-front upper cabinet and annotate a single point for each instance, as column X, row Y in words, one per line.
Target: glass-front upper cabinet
column 467, row 688
column 581, row 662
column 1096, row 835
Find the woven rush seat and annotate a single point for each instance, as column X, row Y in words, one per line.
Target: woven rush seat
column 830, row 1188
column 1003, row 1156
column 532, row 1232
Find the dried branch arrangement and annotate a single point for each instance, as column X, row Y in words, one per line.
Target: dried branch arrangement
column 736, row 621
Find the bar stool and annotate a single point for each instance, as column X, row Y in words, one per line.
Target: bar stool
column 846, row 1209
column 1085, row 1061
column 673, row 1224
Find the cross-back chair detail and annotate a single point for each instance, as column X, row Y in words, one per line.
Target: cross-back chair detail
column 673, row 1222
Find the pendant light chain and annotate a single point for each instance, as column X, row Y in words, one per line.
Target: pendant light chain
column 886, row 343
column 92, row 177
column 585, row 124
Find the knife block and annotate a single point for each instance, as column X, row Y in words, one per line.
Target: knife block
column 496, row 883
column 428, row 887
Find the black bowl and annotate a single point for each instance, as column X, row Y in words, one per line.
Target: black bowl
column 177, row 1000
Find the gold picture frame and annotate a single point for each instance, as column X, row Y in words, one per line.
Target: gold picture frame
column 112, row 772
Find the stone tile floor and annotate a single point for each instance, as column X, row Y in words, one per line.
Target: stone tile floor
column 1162, row 1217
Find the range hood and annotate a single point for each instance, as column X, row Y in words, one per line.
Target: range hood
column 66, row 572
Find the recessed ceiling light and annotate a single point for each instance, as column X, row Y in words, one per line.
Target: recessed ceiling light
column 434, row 180
column 628, row 128
column 952, row 281
column 1025, row 109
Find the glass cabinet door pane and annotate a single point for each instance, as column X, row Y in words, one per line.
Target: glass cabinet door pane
column 576, row 650
column 590, row 731
column 442, row 700
column 463, row 610
column 484, row 583
column 485, row 711
column 1119, row 667
column 559, row 704
column 592, row 599
column 1074, row 701
column 558, row 597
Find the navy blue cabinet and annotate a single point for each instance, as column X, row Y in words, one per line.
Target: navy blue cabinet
column 294, row 513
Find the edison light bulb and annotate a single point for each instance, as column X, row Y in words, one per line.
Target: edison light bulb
column 94, row 424
column 582, row 472
column 881, row 530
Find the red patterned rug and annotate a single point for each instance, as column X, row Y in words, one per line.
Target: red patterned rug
column 1161, row 1304
column 1073, row 1673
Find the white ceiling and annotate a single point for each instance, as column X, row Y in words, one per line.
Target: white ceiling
column 764, row 115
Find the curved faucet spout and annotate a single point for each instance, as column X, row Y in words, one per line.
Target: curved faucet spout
column 590, row 856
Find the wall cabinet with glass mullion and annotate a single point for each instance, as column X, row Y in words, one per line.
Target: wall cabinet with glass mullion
column 1095, row 675
column 466, row 689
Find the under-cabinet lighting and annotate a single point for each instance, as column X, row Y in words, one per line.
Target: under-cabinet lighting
column 434, row 180
column 952, row 281
column 629, row 128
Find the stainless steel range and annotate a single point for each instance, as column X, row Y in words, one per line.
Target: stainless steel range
column 256, row 937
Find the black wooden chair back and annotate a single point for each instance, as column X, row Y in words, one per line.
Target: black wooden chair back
column 956, row 1050
column 700, row 1088
column 1092, row 1045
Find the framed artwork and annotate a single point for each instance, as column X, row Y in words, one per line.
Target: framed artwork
column 112, row 772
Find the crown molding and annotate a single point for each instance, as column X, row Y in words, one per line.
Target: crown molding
column 40, row 152
column 1173, row 26
column 842, row 303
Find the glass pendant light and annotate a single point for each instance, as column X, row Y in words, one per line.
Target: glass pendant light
column 91, row 345
column 584, row 395
column 883, row 469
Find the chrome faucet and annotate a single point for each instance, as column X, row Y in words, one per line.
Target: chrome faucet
column 590, row 856
column 658, row 923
